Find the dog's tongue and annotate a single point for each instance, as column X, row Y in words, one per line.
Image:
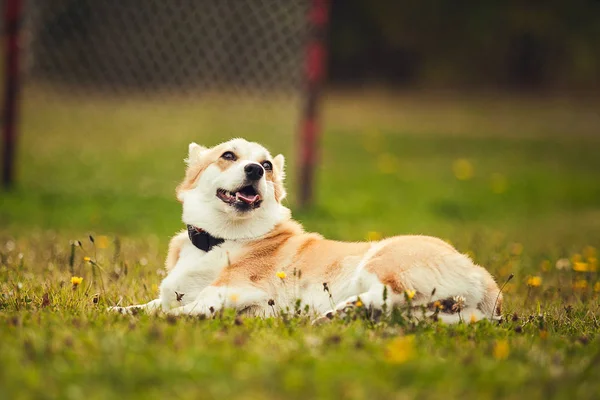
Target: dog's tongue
column 247, row 198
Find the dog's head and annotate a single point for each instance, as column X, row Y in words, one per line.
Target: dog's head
column 233, row 190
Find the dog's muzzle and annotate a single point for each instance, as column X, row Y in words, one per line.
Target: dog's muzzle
column 244, row 199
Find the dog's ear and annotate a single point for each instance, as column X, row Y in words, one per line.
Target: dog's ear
column 279, row 162
column 194, row 152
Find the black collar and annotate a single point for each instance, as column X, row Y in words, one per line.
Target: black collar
column 202, row 239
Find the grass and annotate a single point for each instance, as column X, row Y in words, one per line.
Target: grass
column 527, row 203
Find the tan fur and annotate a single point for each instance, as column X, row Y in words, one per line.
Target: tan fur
column 174, row 249
column 402, row 253
column 286, row 249
column 192, row 173
column 289, row 249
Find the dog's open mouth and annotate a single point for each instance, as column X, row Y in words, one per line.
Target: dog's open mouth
column 245, row 198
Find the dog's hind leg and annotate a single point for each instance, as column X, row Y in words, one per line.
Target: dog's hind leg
column 376, row 297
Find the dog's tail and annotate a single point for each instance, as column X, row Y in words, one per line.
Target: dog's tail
column 491, row 304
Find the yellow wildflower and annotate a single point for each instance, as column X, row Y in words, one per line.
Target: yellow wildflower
column 400, row 350
column 545, row 266
column 580, row 266
column 234, row 297
column 576, row 258
column 438, row 305
column 593, row 264
column 501, row 350
column 76, row 280
column 373, row 236
column 281, row 274
column 516, row 249
column 597, row 287
column 410, row 294
column 580, row 284
column 358, row 303
column 534, row 281
column 473, row 319
column 463, row 169
column 87, row 259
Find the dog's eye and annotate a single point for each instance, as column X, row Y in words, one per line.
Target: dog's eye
column 267, row 165
column 228, row 155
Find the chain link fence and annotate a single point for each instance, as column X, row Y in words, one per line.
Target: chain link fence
column 188, row 46
column 241, row 60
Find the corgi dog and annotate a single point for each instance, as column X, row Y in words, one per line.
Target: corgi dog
column 242, row 250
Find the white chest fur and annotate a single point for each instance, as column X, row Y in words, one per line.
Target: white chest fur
column 194, row 271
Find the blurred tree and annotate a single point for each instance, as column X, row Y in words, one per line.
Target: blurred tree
column 513, row 44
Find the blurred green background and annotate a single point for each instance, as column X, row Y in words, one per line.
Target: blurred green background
column 517, row 45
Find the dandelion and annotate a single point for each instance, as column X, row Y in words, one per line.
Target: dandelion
column 581, row 266
column 473, row 319
column 563, row 263
column 234, row 297
column 459, row 303
column 597, row 287
column 373, row 236
column 400, row 350
column 410, row 294
column 438, row 305
column 580, row 284
column 281, row 275
column 358, row 303
column 76, row 281
column 463, row 169
column 534, row 281
column 501, row 350
column 87, row 259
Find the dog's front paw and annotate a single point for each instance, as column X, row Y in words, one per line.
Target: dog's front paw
column 124, row 310
column 193, row 308
column 324, row 319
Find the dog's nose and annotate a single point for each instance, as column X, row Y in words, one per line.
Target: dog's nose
column 254, row 171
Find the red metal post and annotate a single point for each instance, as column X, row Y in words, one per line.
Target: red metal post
column 12, row 24
column 316, row 58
